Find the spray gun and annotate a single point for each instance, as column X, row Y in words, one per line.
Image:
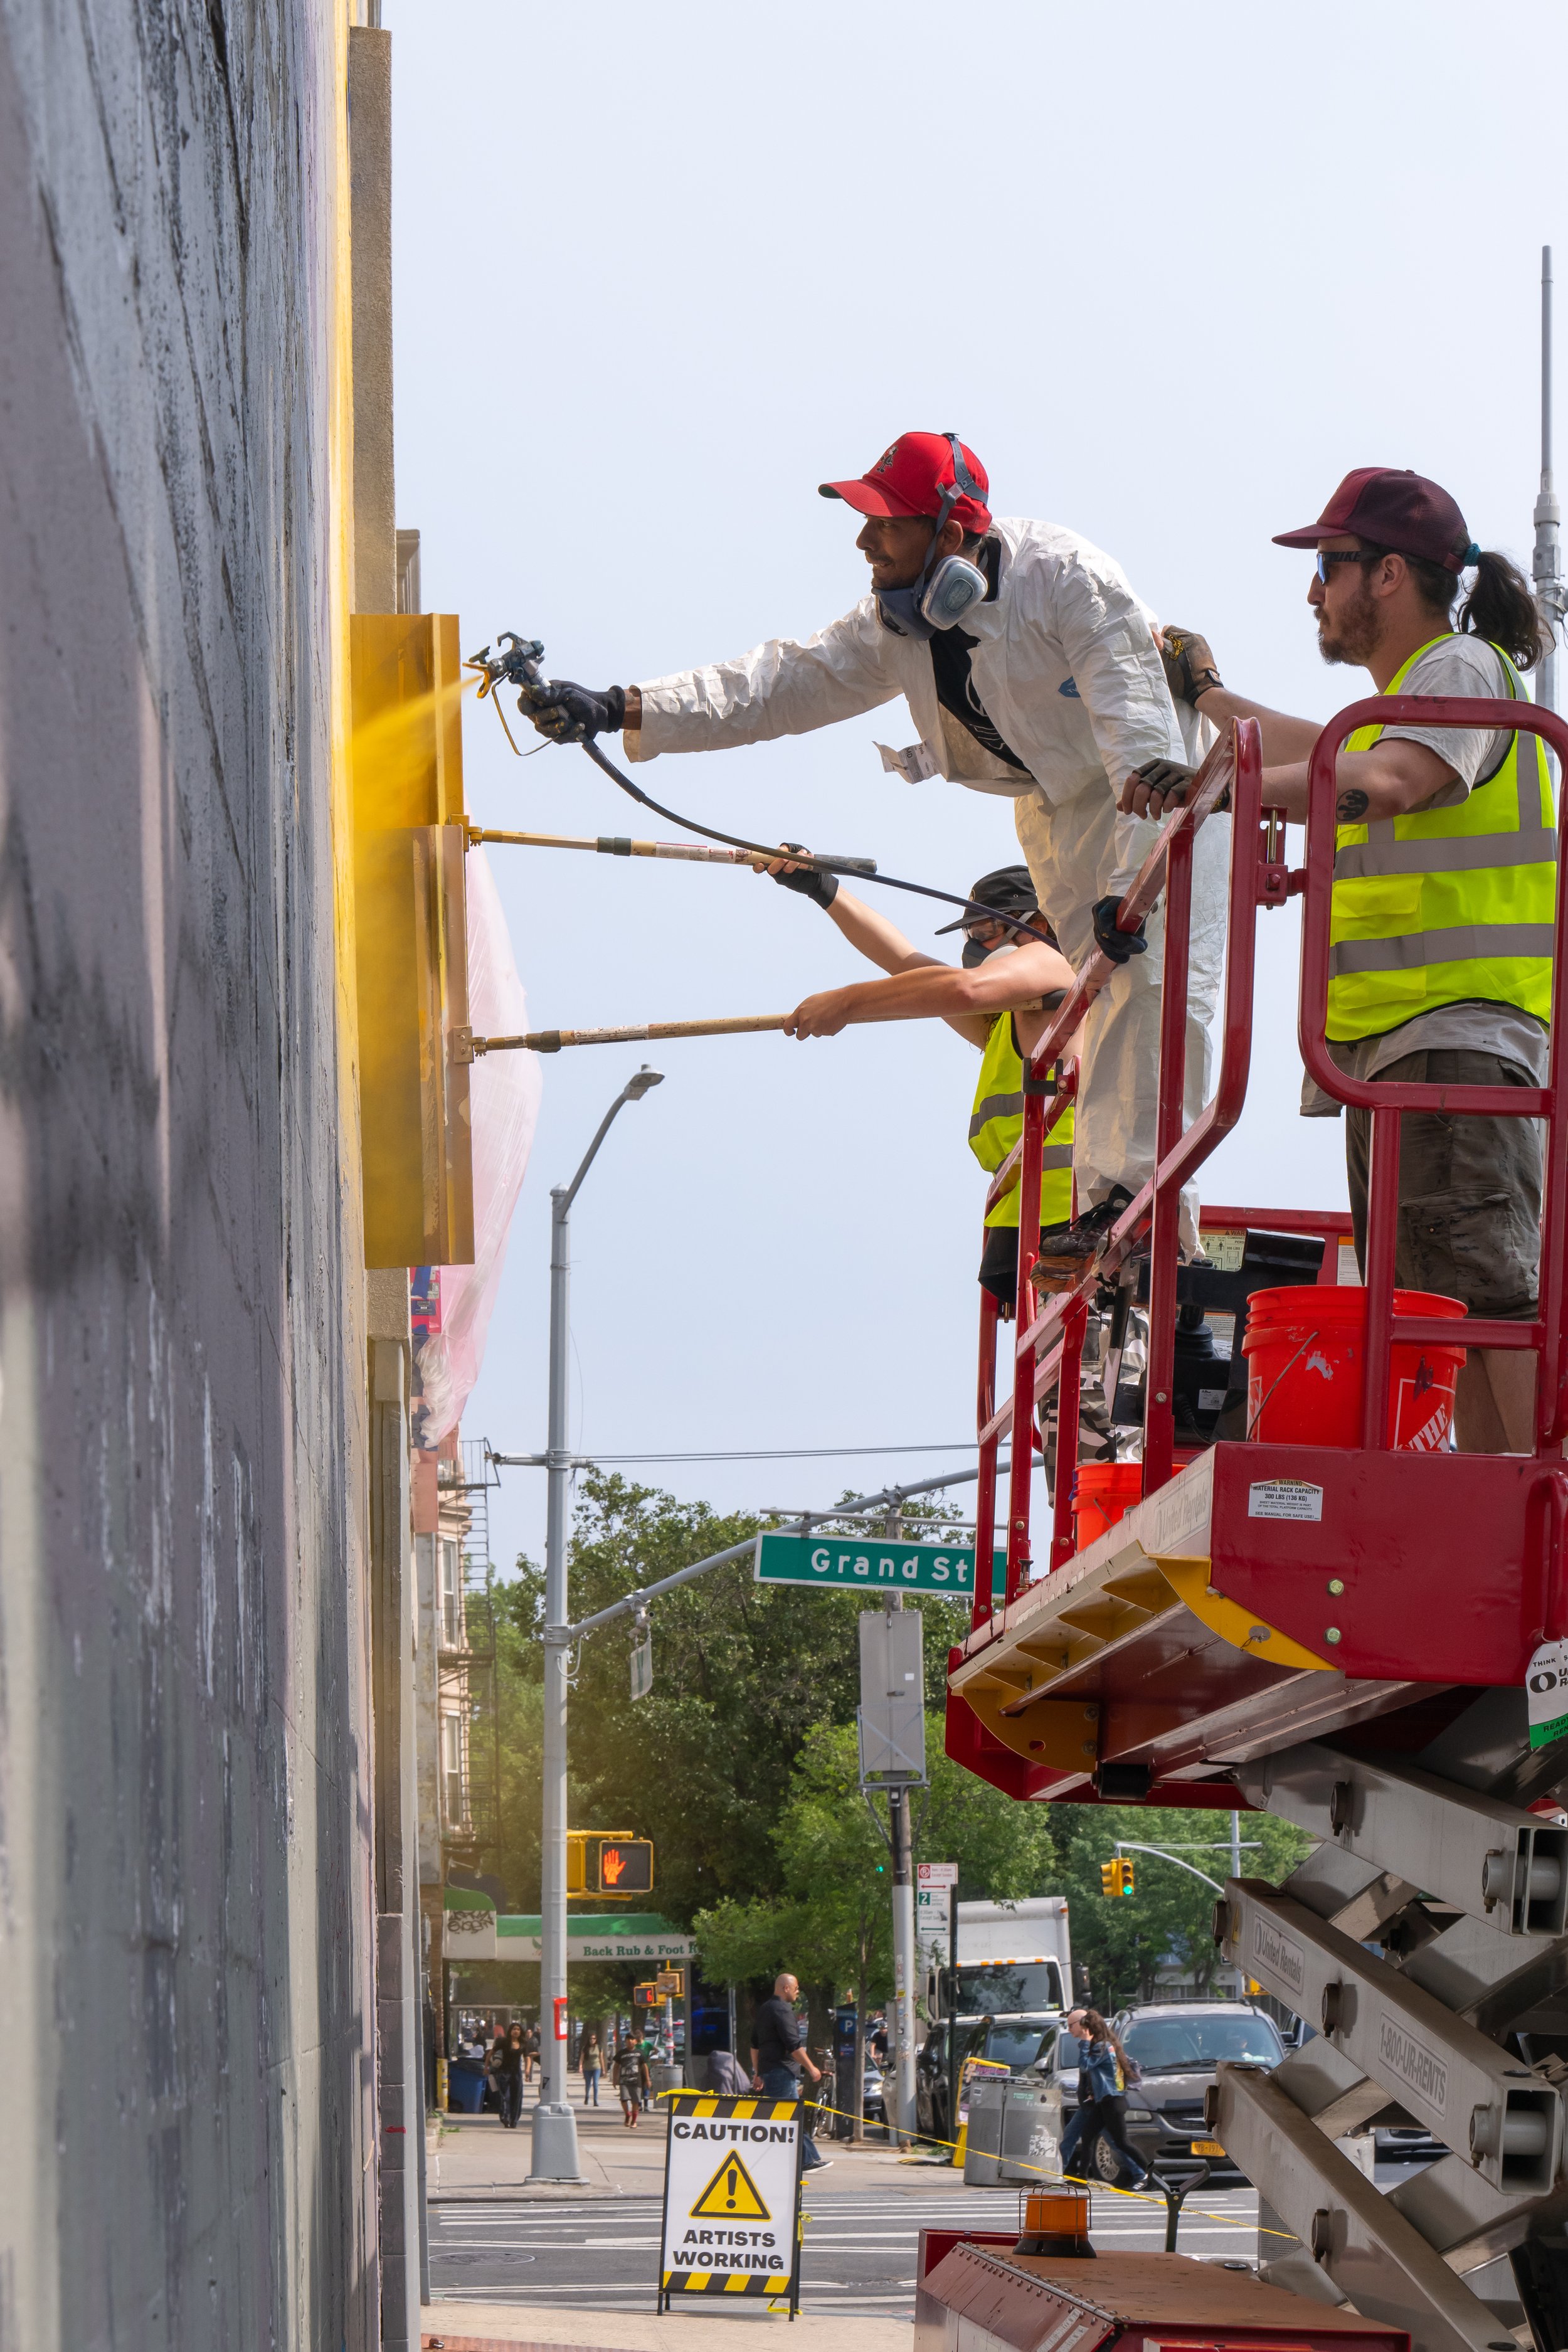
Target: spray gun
column 517, row 664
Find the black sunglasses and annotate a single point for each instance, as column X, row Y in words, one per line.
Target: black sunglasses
column 1346, row 556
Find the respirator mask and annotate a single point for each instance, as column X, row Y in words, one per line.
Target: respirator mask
column 949, row 584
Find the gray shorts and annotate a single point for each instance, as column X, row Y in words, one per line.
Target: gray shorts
column 1470, row 1189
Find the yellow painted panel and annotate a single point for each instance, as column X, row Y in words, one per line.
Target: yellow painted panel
column 1059, row 1733
column 411, row 939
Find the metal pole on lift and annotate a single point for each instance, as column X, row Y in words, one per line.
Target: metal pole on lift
column 1549, row 593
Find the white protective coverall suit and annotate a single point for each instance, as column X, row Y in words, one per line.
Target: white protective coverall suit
column 1067, row 670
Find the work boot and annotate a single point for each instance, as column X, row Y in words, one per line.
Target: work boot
column 1067, row 1251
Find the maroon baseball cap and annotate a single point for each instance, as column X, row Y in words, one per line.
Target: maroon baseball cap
column 909, row 478
column 1390, row 507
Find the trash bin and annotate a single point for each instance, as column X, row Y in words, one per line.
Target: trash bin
column 667, row 2077
column 1015, row 2132
column 465, row 2087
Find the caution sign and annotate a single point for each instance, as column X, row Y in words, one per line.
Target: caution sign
column 731, row 2191
column 731, row 2198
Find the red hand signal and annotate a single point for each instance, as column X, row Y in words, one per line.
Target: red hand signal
column 611, row 1863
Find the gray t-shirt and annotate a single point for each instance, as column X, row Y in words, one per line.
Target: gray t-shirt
column 1468, row 666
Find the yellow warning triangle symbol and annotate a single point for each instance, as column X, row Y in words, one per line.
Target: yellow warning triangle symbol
column 731, row 2194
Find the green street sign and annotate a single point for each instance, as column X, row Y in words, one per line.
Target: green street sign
column 871, row 1563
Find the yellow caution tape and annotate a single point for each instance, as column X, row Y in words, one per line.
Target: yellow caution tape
column 1066, row 2179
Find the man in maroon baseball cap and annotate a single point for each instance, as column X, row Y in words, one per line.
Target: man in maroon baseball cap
column 1032, row 672
column 1445, row 895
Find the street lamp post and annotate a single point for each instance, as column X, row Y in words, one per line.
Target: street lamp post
column 554, row 2155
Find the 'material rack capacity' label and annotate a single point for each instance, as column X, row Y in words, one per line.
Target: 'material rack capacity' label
column 1284, row 1498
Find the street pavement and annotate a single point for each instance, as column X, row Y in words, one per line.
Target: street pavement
column 494, row 2242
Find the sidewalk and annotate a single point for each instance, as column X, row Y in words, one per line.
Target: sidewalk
column 503, row 2326
column 475, row 2159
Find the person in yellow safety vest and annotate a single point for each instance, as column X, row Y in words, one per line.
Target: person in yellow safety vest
column 1443, row 897
column 1001, row 999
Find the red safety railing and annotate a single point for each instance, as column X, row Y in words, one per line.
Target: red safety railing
column 1047, row 1349
column 1387, row 1100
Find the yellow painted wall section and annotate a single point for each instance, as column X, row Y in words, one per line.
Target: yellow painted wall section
column 410, row 954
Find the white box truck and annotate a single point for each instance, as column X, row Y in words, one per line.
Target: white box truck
column 1004, row 2000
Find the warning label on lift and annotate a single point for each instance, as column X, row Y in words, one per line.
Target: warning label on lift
column 1284, row 1498
column 1546, row 1694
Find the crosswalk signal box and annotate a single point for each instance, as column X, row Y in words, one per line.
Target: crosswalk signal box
column 600, row 1862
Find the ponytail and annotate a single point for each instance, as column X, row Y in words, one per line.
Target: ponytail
column 1500, row 607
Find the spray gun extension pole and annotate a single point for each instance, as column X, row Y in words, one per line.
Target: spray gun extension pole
column 466, row 1047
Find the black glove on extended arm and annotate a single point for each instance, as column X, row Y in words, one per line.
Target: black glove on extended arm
column 1118, row 945
column 1189, row 664
column 572, row 714
column 806, row 880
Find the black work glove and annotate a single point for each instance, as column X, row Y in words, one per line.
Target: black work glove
column 1189, row 664
column 811, row 884
column 1166, row 782
column 1117, row 945
column 572, row 714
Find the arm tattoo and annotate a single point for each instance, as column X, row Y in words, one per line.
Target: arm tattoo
column 1352, row 806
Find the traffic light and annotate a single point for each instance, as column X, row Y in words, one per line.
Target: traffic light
column 601, row 1861
column 1127, row 1875
column 1116, row 1877
column 624, row 1866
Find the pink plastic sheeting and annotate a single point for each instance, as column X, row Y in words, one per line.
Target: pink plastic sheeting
column 503, row 1105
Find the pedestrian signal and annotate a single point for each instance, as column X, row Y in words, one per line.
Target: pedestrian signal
column 624, row 1866
column 646, row 1996
column 608, row 1862
column 731, row 2193
column 1116, row 1877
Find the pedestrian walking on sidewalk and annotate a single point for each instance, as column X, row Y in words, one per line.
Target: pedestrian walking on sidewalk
column 512, row 2078
column 727, row 2075
column 779, row 2056
column 633, row 2081
column 591, row 2060
column 1109, row 2071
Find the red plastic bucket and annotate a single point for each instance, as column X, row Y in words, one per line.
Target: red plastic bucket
column 1306, row 1362
column 1101, row 1492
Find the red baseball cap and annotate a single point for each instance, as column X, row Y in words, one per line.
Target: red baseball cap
column 909, row 478
column 1392, row 508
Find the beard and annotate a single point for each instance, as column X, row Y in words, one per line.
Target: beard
column 1352, row 638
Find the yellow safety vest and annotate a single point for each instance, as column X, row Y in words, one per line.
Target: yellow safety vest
column 1449, row 905
column 997, row 1121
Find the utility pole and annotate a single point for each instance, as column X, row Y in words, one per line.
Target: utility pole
column 902, row 1843
column 555, row 2144
column 1549, row 587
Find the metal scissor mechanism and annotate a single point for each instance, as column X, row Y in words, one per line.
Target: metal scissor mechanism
column 1427, row 1940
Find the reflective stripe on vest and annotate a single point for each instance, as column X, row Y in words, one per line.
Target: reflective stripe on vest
column 1449, row 905
column 997, row 1121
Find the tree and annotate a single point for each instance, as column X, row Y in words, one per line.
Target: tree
column 1124, row 1942
column 744, row 1674
column 834, row 1900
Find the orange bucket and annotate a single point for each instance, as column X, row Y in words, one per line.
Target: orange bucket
column 1306, row 1363
column 1101, row 1492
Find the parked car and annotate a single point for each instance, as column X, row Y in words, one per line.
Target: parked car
column 1022, row 2044
column 1177, row 2045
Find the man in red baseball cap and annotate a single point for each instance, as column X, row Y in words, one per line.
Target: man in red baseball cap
column 1445, row 895
column 1031, row 669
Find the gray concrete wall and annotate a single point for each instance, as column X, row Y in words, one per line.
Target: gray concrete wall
column 186, row 1943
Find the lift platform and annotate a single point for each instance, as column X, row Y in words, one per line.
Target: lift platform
column 1341, row 1635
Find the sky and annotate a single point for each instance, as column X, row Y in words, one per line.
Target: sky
column 657, row 275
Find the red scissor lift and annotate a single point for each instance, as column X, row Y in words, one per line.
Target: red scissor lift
column 1360, row 1669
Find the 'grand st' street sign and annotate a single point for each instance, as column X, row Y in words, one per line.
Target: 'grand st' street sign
column 863, row 1563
